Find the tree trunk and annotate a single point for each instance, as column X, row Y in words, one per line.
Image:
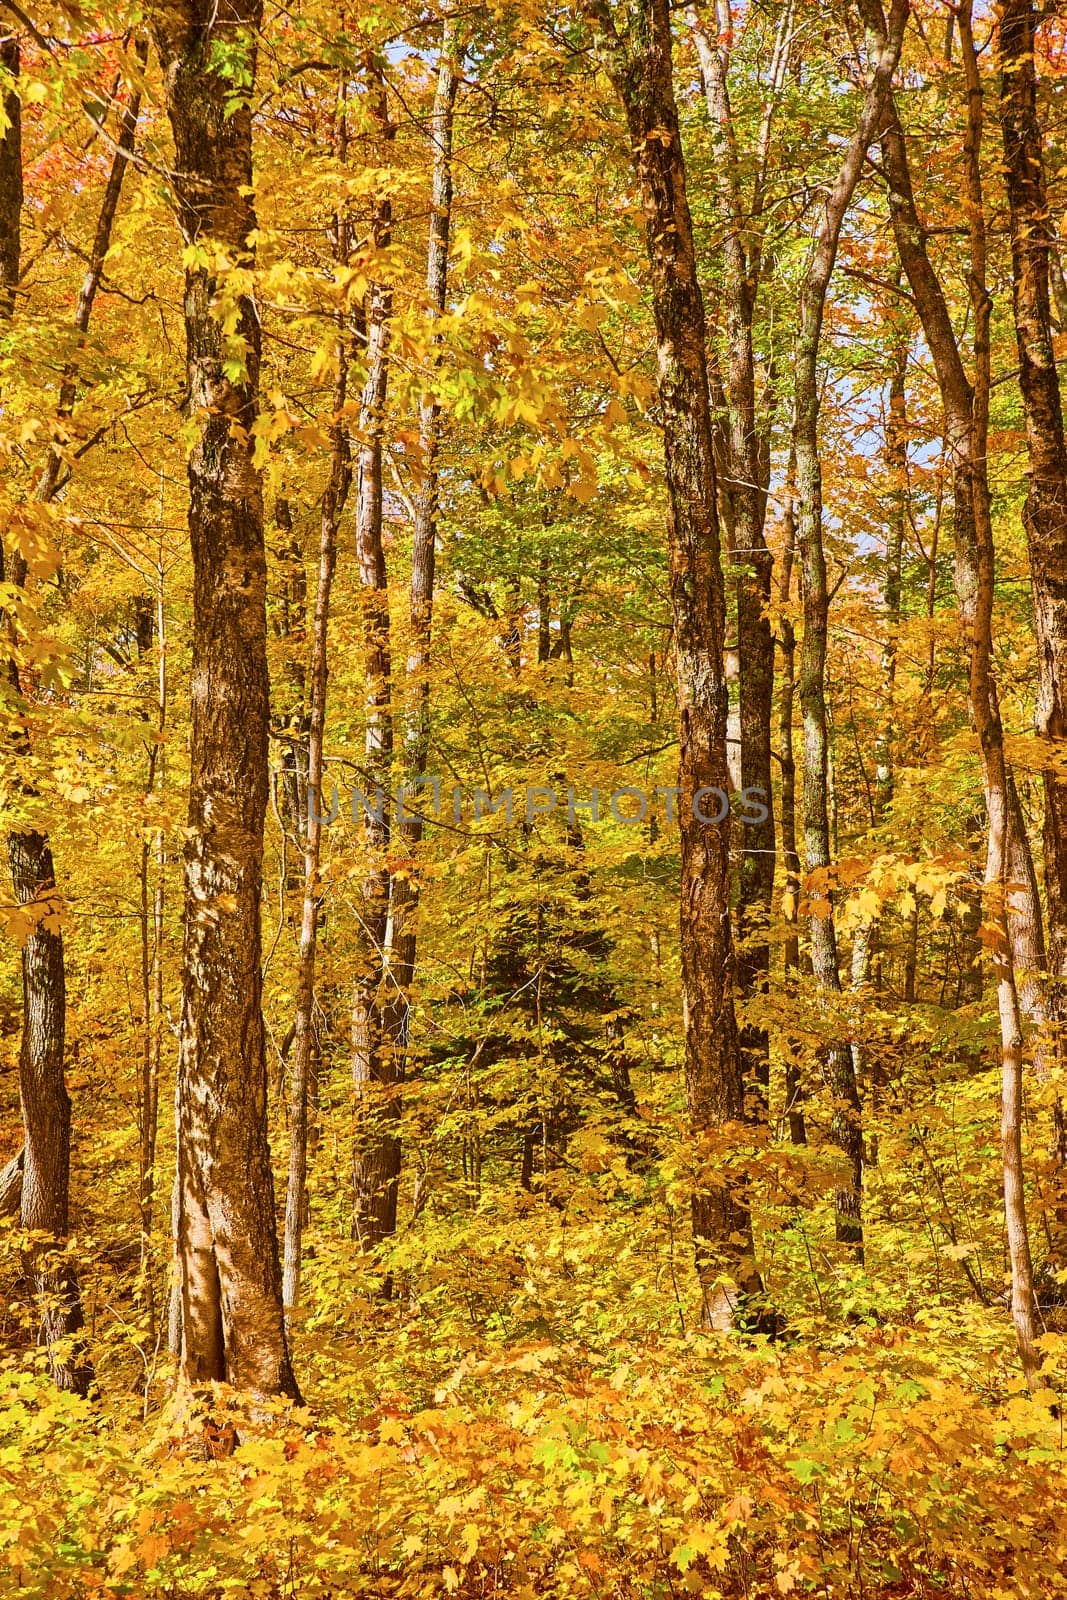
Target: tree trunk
column 847, row 1130
column 46, row 1110
column 152, row 1015
column 376, row 1157
column 966, row 425
column 794, row 1088
column 639, row 66
column 291, row 718
column 1045, row 510
column 746, row 490
column 10, row 180
column 333, row 504
column 232, row 1324
column 11, row 1186
column 405, row 887
column 896, row 460
column 865, row 941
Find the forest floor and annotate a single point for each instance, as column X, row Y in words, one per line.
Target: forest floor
column 537, row 1421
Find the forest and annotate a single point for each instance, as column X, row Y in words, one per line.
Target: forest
column 533, row 764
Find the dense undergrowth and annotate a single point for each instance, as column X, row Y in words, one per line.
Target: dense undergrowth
column 532, row 1414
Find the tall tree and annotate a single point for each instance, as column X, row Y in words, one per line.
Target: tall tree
column 334, row 500
column 966, row 416
column 866, row 936
column 232, row 1323
column 635, row 52
column 744, row 495
column 794, row 1087
column 377, row 1154
column 841, row 1073
column 416, row 737
column 1045, row 509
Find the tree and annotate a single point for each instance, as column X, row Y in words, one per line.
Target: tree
column 966, row 429
column 637, row 59
column 377, row 1155
column 1045, row 509
column 334, row 500
column 744, row 495
column 840, row 1067
column 232, row 1323
column 416, row 740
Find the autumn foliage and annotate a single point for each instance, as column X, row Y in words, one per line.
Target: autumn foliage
column 532, row 1187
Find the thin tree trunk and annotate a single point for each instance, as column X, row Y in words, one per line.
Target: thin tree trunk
column 233, row 1329
column 292, row 629
column 794, row 1089
column 639, row 65
column 847, row 1130
column 333, row 504
column 866, row 938
column 405, row 886
column 11, row 194
column 152, row 907
column 377, row 1154
column 896, row 458
column 46, row 1110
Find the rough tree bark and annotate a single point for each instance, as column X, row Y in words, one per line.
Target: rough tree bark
column 1045, row 510
column 846, row 1123
column 232, row 1323
column 637, row 59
